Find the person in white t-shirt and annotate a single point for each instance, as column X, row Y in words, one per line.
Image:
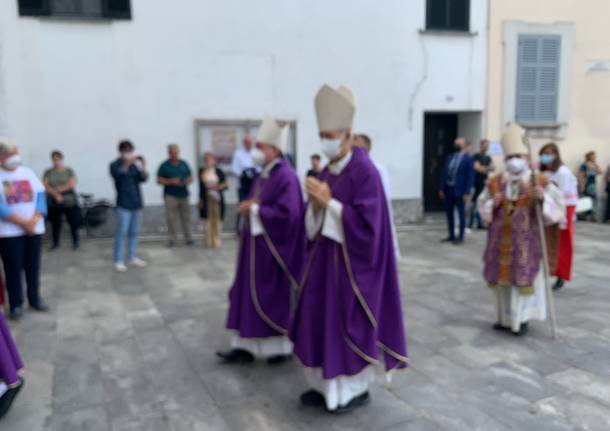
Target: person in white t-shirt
column 245, row 170
column 243, row 167
column 22, row 210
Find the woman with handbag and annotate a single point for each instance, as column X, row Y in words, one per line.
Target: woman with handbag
column 60, row 183
column 587, row 182
column 553, row 168
column 212, row 204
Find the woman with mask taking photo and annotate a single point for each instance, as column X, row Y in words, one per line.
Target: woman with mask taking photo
column 554, row 169
column 128, row 172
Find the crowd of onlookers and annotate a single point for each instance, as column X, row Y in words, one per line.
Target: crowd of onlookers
column 26, row 201
column 464, row 175
column 129, row 170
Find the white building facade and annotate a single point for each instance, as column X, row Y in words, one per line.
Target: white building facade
column 82, row 82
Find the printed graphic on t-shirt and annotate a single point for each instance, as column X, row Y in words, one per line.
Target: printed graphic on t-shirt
column 18, row 192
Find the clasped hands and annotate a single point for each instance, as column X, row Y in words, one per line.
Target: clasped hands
column 536, row 192
column 246, row 206
column 318, row 192
column 29, row 225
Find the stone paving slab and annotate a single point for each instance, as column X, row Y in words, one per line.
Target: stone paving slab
column 135, row 351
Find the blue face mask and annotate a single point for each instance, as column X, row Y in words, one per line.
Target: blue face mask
column 547, row 159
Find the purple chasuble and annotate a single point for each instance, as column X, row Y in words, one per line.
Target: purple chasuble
column 272, row 261
column 10, row 361
column 349, row 313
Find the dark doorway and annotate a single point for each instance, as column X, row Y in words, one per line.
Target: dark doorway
column 440, row 130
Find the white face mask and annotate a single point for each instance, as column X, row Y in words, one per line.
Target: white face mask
column 13, row 162
column 331, row 147
column 516, row 166
column 127, row 154
column 258, row 157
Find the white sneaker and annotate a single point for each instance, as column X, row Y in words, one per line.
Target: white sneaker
column 137, row 262
column 120, row 267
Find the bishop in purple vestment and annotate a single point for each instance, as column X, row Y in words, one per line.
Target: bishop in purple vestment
column 349, row 315
column 270, row 257
column 10, row 366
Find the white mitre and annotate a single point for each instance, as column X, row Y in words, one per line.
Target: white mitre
column 512, row 140
column 272, row 134
column 335, row 109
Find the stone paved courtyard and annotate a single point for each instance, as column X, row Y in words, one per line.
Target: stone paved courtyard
column 135, row 351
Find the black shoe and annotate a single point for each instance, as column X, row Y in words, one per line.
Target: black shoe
column 522, row 330
column 449, row 239
column 278, row 359
column 312, row 398
column 75, row 245
column 499, row 327
column 7, row 399
column 16, row 313
column 54, row 247
column 236, row 356
column 359, row 401
column 558, row 284
column 190, row 243
column 458, row 242
column 40, row 306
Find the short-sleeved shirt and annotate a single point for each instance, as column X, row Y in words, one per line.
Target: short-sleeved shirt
column 57, row 178
column 242, row 160
column 19, row 191
column 169, row 171
column 565, row 180
column 479, row 178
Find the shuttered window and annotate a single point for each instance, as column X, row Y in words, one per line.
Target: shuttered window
column 538, row 79
column 448, row 15
column 115, row 9
column 120, row 9
column 34, row 7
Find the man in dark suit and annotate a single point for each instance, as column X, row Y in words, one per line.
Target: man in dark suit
column 456, row 184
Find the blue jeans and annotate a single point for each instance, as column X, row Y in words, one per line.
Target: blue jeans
column 127, row 225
